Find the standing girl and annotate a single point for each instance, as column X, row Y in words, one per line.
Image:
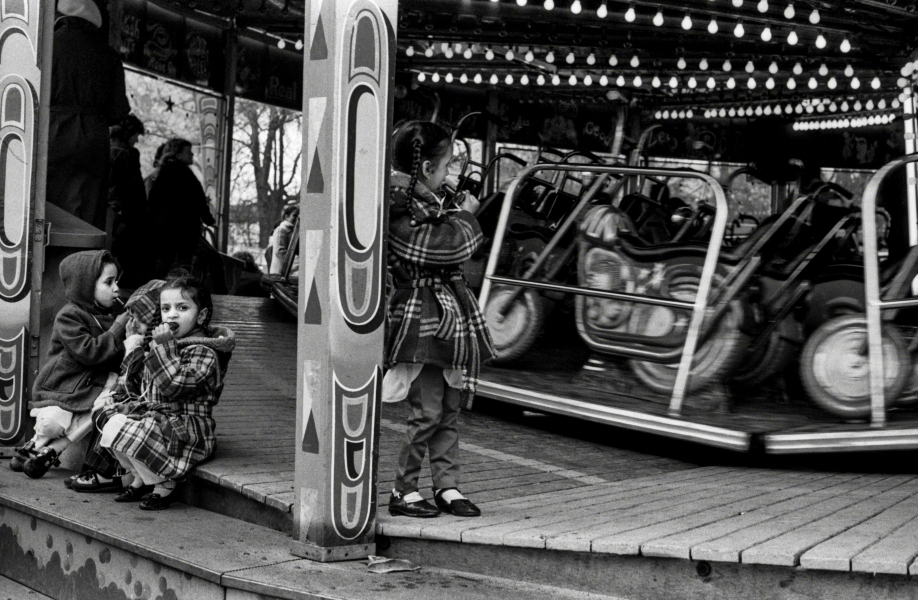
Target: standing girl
column 182, row 380
column 437, row 336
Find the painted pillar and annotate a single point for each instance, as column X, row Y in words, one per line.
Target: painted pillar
column 347, row 106
column 210, row 114
column 24, row 72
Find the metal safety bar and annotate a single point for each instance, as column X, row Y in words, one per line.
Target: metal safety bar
column 872, row 289
column 707, row 272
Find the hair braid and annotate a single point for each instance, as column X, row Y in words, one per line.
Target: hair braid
column 415, row 167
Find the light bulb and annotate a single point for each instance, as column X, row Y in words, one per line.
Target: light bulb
column 823, row 70
column 572, row 80
column 857, row 105
column 603, row 11
column 613, row 60
column 739, row 31
column 770, row 83
column 477, row 78
column 741, row 112
column 762, row 6
column 791, row 84
column 778, row 110
column 845, row 46
column 282, row 43
column 869, row 105
column 576, row 8
column 711, row 83
column 881, row 104
column 468, row 53
column 855, row 83
column 766, row 34
column 722, row 113
column 844, row 106
column 751, row 83
column 549, row 5
column 591, row 59
column 603, row 81
column 832, row 83
column 429, row 51
column 712, row 26
column 422, row 77
column 686, row 22
column 658, row 115
column 656, row 82
column 820, row 41
column 299, row 46
column 637, row 81
column 494, row 79
column 833, row 107
column 540, row 79
column 732, row 112
column 692, row 83
column 792, row 38
column 658, row 18
column 521, row 2
column 509, row 55
column 587, row 80
column 731, row 83
column 550, row 57
column 680, row 63
column 750, row 67
column 409, row 51
column 758, row 111
column 629, row 14
column 673, row 82
column 798, row 69
column 620, row 81
column 489, row 55
column 448, row 53
column 570, row 58
column 689, row 114
column 727, row 66
column 812, row 83
column 508, row 79
column 463, row 78
column 435, row 77
column 767, row 110
column 529, row 56
column 773, row 68
column 665, row 114
column 635, row 62
column 737, row 3
column 555, row 79
column 703, row 65
column 789, row 12
column 849, row 71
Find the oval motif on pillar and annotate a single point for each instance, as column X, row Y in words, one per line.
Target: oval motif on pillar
column 363, row 197
column 12, row 375
column 16, row 125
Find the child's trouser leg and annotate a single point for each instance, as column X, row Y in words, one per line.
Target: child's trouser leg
column 444, row 444
column 141, row 472
column 50, row 423
column 80, row 426
column 425, row 398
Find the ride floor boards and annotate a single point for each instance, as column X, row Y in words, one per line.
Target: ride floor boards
column 541, row 490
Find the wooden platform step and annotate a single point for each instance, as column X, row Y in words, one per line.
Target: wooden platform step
column 11, row 590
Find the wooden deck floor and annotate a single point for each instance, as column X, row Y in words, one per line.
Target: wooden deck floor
column 542, row 490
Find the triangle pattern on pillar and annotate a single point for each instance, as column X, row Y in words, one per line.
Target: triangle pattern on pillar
column 318, row 49
column 313, row 312
column 311, row 436
column 316, row 182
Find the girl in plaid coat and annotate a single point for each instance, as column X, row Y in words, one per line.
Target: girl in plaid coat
column 172, row 429
column 437, row 337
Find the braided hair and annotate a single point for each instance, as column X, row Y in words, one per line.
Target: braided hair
column 415, row 142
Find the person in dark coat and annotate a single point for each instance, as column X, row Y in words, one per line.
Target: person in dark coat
column 127, row 198
column 178, row 208
column 87, row 96
column 87, row 346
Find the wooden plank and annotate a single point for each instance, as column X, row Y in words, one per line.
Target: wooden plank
column 894, row 554
column 836, row 553
column 680, row 545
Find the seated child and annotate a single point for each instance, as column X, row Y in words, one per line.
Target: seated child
column 100, row 471
column 172, row 429
column 86, row 348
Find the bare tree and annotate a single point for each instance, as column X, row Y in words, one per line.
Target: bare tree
column 267, row 155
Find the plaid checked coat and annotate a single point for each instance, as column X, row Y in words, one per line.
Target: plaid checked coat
column 433, row 317
column 172, row 430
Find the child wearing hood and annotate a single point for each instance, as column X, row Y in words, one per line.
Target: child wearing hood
column 172, row 430
column 85, row 351
column 101, row 472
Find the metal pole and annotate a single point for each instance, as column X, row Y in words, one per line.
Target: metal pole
column 228, row 124
column 349, row 67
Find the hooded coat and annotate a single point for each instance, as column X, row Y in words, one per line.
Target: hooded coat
column 173, row 429
column 87, row 342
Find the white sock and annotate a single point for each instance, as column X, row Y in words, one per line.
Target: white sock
column 413, row 497
column 452, row 494
column 164, row 488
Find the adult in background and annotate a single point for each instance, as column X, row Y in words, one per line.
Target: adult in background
column 127, row 198
column 178, row 214
column 87, row 96
column 279, row 243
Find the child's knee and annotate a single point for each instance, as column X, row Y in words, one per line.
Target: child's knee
column 48, row 428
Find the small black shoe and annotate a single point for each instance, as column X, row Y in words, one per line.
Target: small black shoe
column 22, row 455
column 421, row 509
column 38, row 465
column 461, row 507
column 157, row 502
column 134, row 494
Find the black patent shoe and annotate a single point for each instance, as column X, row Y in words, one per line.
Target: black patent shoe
column 22, row 455
column 422, row 509
column 38, row 465
column 134, row 494
column 157, row 502
column 461, row 507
